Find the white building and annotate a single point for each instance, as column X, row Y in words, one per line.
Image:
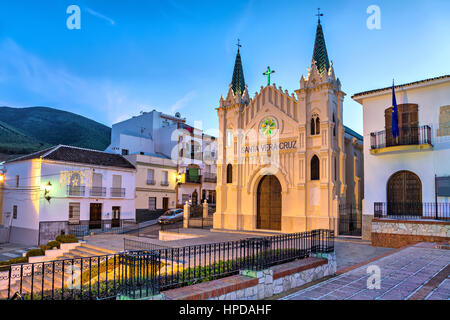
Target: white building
column 152, row 136
column 404, row 171
column 54, row 189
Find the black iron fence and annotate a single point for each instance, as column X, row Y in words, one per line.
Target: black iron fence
column 198, row 263
column 85, row 228
column 144, row 269
column 412, row 210
column 407, row 136
column 350, row 219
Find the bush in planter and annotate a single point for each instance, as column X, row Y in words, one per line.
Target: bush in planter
column 19, row 259
column 66, row 238
column 35, row 253
column 44, row 248
column 53, row 244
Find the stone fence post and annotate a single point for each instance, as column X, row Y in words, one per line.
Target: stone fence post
column 205, row 209
column 186, row 215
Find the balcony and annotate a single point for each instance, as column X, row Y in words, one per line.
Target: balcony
column 151, row 182
column 117, row 192
column 75, row 191
column 210, row 177
column 97, row 192
column 410, row 139
column 164, row 183
column 193, row 179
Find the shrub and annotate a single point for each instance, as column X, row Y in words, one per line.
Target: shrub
column 66, row 238
column 53, row 244
column 35, row 253
column 19, row 259
column 44, row 248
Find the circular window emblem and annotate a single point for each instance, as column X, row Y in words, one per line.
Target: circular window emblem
column 268, row 127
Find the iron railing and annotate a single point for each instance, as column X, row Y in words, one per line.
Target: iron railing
column 75, row 191
column 135, row 274
column 89, row 278
column 164, row 183
column 193, row 179
column 151, row 182
column 412, row 210
column 118, row 192
column 86, row 227
column 97, row 192
column 350, row 220
column 407, row 136
column 210, row 177
column 192, row 264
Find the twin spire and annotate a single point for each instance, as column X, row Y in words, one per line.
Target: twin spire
column 320, row 56
column 238, row 81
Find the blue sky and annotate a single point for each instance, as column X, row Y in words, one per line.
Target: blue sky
column 178, row 55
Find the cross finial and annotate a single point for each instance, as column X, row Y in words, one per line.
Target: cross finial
column 268, row 73
column 239, row 44
column 319, row 14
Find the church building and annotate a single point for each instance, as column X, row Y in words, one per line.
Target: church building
column 286, row 161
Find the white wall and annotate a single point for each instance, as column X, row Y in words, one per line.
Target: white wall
column 379, row 168
column 58, row 208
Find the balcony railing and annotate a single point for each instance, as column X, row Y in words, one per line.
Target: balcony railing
column 412, row 210
column 193, row 179
column 151, row 182
column 407, row 136
column 117, row 192
column 75, row 191
column 210, row 177
column 164, row 183
column 97, row 192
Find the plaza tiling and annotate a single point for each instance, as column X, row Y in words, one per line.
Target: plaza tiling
column 420, row 272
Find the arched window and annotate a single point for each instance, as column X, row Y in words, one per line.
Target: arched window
column 229, row 173
column 315, row 124
column 315, row 173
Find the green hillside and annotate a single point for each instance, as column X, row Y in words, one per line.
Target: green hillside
column 25, row 130
column 13, row 141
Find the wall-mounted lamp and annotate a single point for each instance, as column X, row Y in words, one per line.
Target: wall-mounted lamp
column 2, row 178
column 180, row 178
column 47, row 189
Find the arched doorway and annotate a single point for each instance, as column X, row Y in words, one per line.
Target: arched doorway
column 269, row 204
column 404, row 194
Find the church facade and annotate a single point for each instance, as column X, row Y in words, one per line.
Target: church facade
column 286, row 161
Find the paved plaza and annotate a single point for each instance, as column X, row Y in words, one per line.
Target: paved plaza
column 416, row 272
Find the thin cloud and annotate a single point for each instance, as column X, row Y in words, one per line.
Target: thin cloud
column 101, row 16
column 180, row 104
column 40, row 83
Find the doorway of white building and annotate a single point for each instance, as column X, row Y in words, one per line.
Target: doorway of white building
column 95, row 216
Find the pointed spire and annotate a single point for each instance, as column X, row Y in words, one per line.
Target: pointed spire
column 238, row 82
column 320, row 50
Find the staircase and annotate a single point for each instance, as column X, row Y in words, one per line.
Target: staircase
column 52, row 271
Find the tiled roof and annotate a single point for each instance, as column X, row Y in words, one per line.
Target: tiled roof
column 79, row 155
column 320, row 54
column 399, row 86
column 238, row 82
column 353, row 133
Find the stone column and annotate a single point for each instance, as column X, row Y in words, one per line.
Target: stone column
column 205, row 209
column 186, row 214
